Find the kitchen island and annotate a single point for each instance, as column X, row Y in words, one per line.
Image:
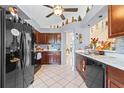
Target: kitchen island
column 109, row 66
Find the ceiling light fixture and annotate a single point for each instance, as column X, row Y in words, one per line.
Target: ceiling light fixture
column 58, row 10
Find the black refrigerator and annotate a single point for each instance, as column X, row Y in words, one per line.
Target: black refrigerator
column 16, row 64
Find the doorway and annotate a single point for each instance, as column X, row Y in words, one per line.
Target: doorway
column 70, row 48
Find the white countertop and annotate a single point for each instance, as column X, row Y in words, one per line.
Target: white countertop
column 52, row 50
column 108, row 60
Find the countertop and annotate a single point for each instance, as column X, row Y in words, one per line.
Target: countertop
column 48, row 50
column 108, row 60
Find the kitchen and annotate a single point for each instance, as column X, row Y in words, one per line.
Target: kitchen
column 36, row 57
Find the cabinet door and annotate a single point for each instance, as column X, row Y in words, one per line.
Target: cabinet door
column 54, row 58
column 115, row 77
column 79, row 63
column 41, row 38
column 58, row 57
column 44, row 58
column 83, row 67
column 112, row 83
column 116, row 20
column 50, row 38
column 58, row 38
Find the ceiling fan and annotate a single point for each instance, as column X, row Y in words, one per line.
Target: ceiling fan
column 58, row 10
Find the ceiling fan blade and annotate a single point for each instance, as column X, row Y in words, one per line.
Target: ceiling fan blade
column 62, row 16
column 70, row 9
column 50, row 14
column 49, row 6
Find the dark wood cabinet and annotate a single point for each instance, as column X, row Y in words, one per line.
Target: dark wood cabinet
column 40, row 38
column 115, row 77
column 48, row 38
column 91, row 71
column 81, row 65
column 116, row 20
column 57, row 38
column 50, row 57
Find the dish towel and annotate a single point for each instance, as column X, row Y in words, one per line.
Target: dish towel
column 39, row 56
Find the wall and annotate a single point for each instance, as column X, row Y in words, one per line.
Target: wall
column 85, row 42
column 100, row 31
column 120, row 45
column 86, row 37
column 63, row 48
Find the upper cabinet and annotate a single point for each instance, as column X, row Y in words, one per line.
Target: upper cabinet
column 58, row 38
column 40, row 38
column 48, row 38
column 116, row 20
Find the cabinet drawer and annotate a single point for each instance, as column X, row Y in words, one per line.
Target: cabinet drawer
column 115, row 74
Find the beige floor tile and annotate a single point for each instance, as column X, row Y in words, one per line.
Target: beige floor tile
column 36, row 77
column 83, row 85
column 56, row 85
column 77, row 82
column 37, row 82
column 49, row 82
column 63, row 82
column 69, row 78
column 71, row 85
column 44, row 78
column 41, row 85
column 57, row 76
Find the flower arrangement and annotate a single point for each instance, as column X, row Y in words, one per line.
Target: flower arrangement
column 94, row 42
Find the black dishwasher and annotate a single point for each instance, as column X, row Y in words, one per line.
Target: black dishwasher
column 94, row 74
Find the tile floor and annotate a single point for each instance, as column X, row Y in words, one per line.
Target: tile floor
column 57, row 76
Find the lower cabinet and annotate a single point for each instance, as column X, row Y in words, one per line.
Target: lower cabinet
column 50, row 57
column 81, row 65
column 115, row 78
column 91, row 71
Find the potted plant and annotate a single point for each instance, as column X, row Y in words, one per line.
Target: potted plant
column 66, row 22
column 73, row 20
column 79, row 18
column 88, row 9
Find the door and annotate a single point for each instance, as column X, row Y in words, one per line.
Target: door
column 14, row 66
column 28, row 62
column 13, row 76
column 19, row 66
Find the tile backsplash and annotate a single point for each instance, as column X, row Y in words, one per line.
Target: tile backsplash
column 51, row 46
column 120, row 45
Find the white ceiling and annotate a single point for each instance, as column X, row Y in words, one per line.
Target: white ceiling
column 37, row 14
